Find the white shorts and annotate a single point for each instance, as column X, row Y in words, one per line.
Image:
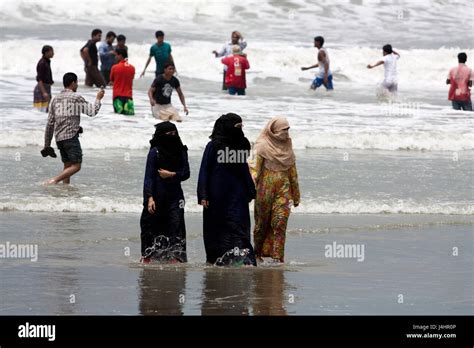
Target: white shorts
column 166, row 112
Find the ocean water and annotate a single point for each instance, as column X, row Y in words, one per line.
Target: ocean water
column 398, row 170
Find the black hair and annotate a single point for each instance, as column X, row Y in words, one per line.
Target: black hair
column 122, row 52
column 121, row 38
column 69, row 78
column 168, row 63
column 110, row 34
column 95, row 32
column 319, row 39
column 387, row 48
column 462, row 57
column 46, row 49
column 159, row 33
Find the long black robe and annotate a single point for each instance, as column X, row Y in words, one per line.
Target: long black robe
column 163, row 234
column 229, row 190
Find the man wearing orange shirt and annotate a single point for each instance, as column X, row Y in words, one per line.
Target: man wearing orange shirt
column 121, row 76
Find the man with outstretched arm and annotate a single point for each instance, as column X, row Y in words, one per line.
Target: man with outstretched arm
column 64, row 121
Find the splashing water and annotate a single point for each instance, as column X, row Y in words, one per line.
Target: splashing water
column 166, row 250
column 235, row 257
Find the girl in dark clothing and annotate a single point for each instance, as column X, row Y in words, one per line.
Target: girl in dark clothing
column 225, row 189
column 163, row 232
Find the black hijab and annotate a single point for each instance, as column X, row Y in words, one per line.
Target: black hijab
column 170, row 148
column 225, row 134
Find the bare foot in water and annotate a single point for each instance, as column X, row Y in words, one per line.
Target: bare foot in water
column 50, row 182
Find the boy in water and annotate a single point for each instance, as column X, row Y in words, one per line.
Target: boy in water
column 325, row 75
column 389, row 61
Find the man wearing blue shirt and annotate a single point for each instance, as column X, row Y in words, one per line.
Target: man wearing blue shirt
column 161, row 51
column 107, row 55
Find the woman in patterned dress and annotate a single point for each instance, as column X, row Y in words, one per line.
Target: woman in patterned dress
column 276, row 180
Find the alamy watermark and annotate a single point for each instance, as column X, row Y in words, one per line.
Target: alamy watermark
column 19, row 251
column 345, row 251
column 233, row 156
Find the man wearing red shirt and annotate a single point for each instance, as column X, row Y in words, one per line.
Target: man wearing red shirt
column 460, row 78
column 121, row 76
column 236, row 64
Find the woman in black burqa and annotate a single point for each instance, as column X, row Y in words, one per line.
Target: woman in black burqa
column 225, row 190
column 163, row 232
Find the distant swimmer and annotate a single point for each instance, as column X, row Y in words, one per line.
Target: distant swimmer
column 236, row 65
column 64, row 121
column 161, row 51
column 160, row 95
column 121, row 76
column 460, row 78
column 91, row 60
column 324, row 76
column 226, row 50
column 389, row 85
column 107, row 55
column 44, row 77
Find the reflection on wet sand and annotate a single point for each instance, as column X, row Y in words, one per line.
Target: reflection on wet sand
column 243, row 291
column 161, row 291
column 269, row 292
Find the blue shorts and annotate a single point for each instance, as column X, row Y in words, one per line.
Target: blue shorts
column 238, row 91
column 70, row 150
column 318, row 81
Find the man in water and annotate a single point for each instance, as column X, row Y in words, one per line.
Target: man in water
column 91, row 60
column 121, row 77
column 44, row 77
column 107, row 55
column 460, row 78
column 236, row 65
column 325, row 75
column 160, row 95
column 389, row 61
column 64, row 120
column 226, row 50
column 161, row 51
column 121, row 39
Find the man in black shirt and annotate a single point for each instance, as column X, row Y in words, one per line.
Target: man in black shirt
column 44, row 77
column 91, row 60
column 160, row 95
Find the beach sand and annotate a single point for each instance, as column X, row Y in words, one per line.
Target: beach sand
column 82, row 258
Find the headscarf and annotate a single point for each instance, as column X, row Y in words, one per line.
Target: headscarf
column 226, row 135
column 275, row 146
column 170, row 148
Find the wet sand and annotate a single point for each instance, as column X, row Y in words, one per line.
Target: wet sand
column 84, row 268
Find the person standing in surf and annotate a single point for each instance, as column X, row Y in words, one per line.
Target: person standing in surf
column 389, row 85
column 160, row 93
column 460, row 78
column 236, row 65
column 225, row 189
column 44, row 77
column 226, row 50
column 324, row 76
column 276, row 180
column 64, row 121
column 107, row 56
column 121, row 77
column 91, row 60
column 161, row 51
column 163, row 231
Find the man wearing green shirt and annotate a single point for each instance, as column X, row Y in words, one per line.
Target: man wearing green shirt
column 161, row 51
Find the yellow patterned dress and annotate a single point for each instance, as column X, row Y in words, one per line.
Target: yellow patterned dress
column 275, row 190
